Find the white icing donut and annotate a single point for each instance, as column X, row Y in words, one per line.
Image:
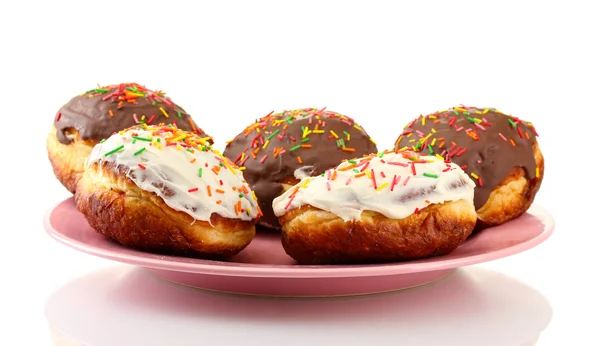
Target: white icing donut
column 181, row 169
column 393, row 184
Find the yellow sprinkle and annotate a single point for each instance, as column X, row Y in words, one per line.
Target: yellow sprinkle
column 179, row 147
column 176, row 139
column 433, row 142
column 143, row 117
column 254, row 195
column 382, row 186
column 460, row 109
column 477, row 120
column 423, row 121
column 334, row 134
column 477, row 112
column 164, row 112
column 412, row 140
column 403, row 149
column 368, row 174
column 159, row 146
column 266, row 143
column 348, row 137
column 398, row 140
column 537, row 172
column 427, row 137
column 474, row 175
column 409, row 135
column 357, row 127
column 318, row 131
column 372, row 141
column 439, row 157
column 486, row 110
column 305, row 184
column 242, row 168
column 433, row 130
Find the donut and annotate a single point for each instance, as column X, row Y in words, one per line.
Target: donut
column 499, row 152
column 386, row 207
column 98, row 113
column 279, row 149
column 164, row 190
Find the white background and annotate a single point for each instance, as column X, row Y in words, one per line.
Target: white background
column 382, row 63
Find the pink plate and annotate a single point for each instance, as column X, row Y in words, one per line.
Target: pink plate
column 264, row 268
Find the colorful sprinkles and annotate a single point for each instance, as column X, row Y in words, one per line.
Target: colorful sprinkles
column 161, row 136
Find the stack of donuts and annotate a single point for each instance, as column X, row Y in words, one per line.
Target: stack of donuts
column 144, row 174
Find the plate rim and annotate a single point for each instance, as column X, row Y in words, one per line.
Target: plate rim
column 223, row 268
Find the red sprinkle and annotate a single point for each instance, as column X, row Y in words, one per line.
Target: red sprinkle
column 141, row 166
column 193, row 189
column 58, row 116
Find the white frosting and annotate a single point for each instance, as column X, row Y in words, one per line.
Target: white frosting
column 303, row 172
column 387, row 185
column 173, row 173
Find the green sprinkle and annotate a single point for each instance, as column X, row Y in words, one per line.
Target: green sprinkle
column 429, row 175
column 158, row 139
column 471, row 119
column 188, row 150
column 103, row 140
column 346, row 133
column 241, row 195
column 343, row 143
column 200, row 172
column 295, row 148
column 221, row 164
column 139, row 152
column 512, row 122
column 467, row 113
column 305, row 140
column 143, row 139
column 455, row 111
column 430, row 149
column 114, row 150
column 356, row 170
column 303, row 128
column 178, row 114
column 352, row 161
column 273, row 134
column 133, row 141
column 154, row 103
column 381, row 154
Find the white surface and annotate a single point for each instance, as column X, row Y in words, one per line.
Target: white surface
column 229, row 63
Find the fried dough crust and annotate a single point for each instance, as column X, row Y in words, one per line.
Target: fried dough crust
column 314, row 236
column 117, row 208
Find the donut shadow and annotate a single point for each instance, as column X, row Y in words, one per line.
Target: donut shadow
column 129, row 306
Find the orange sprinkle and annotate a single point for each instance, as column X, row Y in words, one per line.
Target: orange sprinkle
column 441, row 145
column 512, row 142
column 209, row 192
column 347, row 167
column 192, row 124
column 527, row 135
column 334, row 175
column 306, row 146
column 349, row 149
column 193, row 160
column 219, row 201
column 360, row 175
column 111, row 113
column 219, row 191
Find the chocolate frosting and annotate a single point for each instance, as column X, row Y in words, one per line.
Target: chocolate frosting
column 286, row 146
column 100, row 112
column 484, row 142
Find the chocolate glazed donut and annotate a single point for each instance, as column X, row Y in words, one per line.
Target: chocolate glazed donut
column 279, row 149
column 100, row 112
column 491, row 147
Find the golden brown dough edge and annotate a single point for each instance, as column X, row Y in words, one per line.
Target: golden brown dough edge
column 68, row 160
column 512, row 197
column 117, row 208
column 314, row 236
